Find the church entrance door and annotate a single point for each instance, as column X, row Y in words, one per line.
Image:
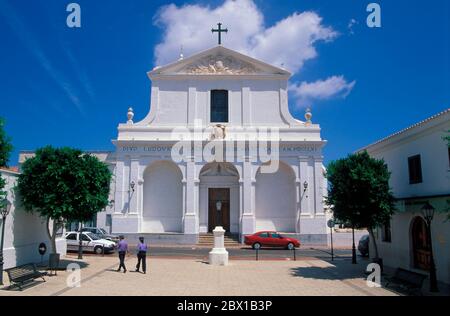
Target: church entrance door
column 219, row 198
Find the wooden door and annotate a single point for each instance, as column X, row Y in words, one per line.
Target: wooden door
column 222, row 217
column 421, row 244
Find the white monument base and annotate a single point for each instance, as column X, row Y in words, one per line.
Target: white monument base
column 218, row 255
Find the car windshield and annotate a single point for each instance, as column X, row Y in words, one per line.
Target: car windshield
column 93, row 236
column 103, row 231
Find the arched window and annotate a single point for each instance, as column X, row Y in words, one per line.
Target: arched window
column 219, row 106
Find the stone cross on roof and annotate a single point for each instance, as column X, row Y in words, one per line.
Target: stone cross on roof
column 219, row 30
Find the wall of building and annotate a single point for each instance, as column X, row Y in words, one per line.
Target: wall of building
column 251, row 102
column 433, row 150
column 399, row 252
column 24, row 231
column 163, row 198
column 424, row 139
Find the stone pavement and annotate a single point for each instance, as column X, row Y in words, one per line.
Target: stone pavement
column 187, row 277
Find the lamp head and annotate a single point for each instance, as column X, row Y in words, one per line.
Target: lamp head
column 6, row 208
column 305, row 185
column 428, row 211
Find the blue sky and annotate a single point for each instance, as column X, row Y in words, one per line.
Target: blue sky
column 64, row 86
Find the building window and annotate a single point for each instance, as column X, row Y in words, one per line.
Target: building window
column 386, row 232
column 449, row 157
column 415, row 169
column 219, row 106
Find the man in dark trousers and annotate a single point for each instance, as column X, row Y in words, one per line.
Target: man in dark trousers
column 141, row 255
column 122, row 249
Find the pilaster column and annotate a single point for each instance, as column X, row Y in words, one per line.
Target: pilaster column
column 246, row 108
column 192, row 105
column 298, row 201
column 318, row 186
column 120, row 191
column 305, row 209
column 190, row 224
column 134, row 194
column 248, row 188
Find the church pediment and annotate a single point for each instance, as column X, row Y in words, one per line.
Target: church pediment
column 219, row 64
column 219, row 61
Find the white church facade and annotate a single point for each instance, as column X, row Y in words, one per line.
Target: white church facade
column 218, row 147
column 189, row 99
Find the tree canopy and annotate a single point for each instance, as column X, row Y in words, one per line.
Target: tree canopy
column 5, row 150
column 5, row 145
column 359, row 192
column 64, row 184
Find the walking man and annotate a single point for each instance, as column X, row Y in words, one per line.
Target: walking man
column 122, row 249
column 141, row 255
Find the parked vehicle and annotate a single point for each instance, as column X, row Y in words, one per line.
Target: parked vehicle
column 363, row 245
column 90, row 242
column 101, row 233
column 270, row 239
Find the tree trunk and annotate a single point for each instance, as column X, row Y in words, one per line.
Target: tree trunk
column 372, row 237
column 52, row 234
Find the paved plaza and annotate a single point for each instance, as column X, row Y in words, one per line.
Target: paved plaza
column 194, row 277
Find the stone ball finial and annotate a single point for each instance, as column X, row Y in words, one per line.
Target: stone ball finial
column 130, row 115
column 308, row 115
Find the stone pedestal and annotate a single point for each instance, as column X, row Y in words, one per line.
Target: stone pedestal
column 218, row 255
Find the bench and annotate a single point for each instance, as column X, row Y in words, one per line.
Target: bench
column 407, row 280
column 21, row 274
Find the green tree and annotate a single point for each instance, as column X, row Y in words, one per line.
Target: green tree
column 5, row 145
column 63, row 184
column 5, row 150
column 447, row 138
column 359, row 192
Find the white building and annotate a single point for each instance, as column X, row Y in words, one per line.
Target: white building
column 24, row 232
column 169, row 175
column 419, row 161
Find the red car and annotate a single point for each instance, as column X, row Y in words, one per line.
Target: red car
column 270, row 239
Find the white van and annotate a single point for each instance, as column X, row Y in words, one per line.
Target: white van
column 90, row 242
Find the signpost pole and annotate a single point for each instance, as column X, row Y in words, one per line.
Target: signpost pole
column 330, row 225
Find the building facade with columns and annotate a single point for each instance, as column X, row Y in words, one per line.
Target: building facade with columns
column 218, row 147
column 169, row 176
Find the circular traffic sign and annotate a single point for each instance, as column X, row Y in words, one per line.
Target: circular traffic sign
column 42, row 248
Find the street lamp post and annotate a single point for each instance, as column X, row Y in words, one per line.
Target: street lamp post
column 4, row 212
column 428, row 214
column 353, row 246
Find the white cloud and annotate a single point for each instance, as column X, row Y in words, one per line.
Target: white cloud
column 291, row 41
column 333, row 87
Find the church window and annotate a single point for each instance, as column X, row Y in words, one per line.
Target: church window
column 219, row 106
column 415, row 169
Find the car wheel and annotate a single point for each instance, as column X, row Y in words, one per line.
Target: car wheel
column 290, row 246
column 98, row 250
column 256, row 246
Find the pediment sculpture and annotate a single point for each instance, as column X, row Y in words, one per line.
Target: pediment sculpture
column 217, row 64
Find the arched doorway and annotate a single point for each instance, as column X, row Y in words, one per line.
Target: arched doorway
column 163, row 198
column 420, row 243
column 276, row 200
